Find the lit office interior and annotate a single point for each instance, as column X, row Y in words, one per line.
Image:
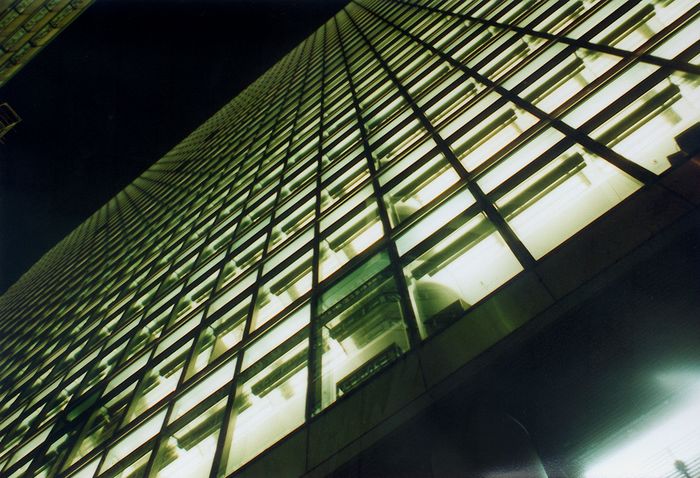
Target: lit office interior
column 387, row 176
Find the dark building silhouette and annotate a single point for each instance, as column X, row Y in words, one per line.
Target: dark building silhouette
column 27, row 26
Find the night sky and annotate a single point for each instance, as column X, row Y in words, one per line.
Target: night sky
column 116, row 90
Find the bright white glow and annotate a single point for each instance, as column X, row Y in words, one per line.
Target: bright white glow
column 343, row 358
column 87, row 471
column 652, row 449
column 441, row 182
column 434, row 220
column 232, row 337
column 133, row 440
column 472, row 158
column 206, row 387
column 368, row 237
column 268, row 418
column 193, row 463
column 277, row 335
column 481, row 269
column 572, row 205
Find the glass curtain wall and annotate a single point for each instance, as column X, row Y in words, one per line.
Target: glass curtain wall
column 386, row 177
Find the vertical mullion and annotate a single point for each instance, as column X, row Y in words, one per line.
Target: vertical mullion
column 226, row 431
column 629, row 167
column 313, row 394
column 150, row 466
column 571, row 42
column 515, row 244
column 397, row 271
column 59, row 419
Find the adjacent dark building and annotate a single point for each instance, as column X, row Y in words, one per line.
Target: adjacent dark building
column 27, row 26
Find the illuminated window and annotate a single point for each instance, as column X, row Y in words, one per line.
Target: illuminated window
column 342, row 184
column 133, row 440
column 30, row 445
column 433, row 220
column 102, row 369
column 632, row 29
column 270, row 401
column 491, row 135
column 102, row 424
column 363, row 329
column 349, row 239
column 644, row 131
column 563, row 197
column 518, row 159
column 298, row 218
column 400, row 143
column 287, row 286
column 560, row 83
column 284, row 253
column 195, row 297
column 241, row 261
column 469, row 263
column 421, row 187
column 203, row 389
column 159, row 382
column 190, row 450
column 221, row 335
column 610, row 92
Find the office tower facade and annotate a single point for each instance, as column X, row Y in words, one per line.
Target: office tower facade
column 331, row 255
column 26, row 26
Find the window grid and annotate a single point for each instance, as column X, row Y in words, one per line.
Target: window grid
column 389, row 174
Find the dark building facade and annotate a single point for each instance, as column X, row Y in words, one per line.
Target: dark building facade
column 436, row 239
column 27, row 26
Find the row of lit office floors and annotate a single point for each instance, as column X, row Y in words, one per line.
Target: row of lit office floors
column 609, row 389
